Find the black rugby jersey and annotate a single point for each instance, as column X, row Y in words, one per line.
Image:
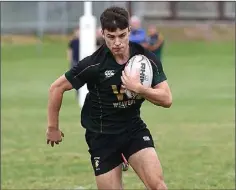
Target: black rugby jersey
column 107, row 109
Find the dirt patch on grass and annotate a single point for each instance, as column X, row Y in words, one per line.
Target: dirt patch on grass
column 198, row 32
column 19, row 39
column 28, row 39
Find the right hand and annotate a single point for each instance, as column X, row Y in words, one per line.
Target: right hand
column 54, row 135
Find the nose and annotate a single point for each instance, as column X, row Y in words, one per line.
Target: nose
column 117, row 42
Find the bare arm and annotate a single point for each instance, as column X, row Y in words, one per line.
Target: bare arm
column 159, row 95
column 144, row 44
column 56, row 92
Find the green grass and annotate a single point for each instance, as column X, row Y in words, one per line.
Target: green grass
column 194, row 138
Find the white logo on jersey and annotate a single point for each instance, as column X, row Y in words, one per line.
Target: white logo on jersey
column 109, row 73
column 146, row 138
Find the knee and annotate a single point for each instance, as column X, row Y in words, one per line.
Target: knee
column 158, row 184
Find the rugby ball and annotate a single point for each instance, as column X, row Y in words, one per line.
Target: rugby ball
column 142, row 64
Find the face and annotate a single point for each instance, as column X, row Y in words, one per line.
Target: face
column 135, row 24
column 117, row 41
column 76, row 32
column 152, row 30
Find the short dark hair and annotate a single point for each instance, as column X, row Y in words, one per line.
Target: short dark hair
column 113, row 18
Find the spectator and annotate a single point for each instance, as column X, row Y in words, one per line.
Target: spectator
column 137, row 33
column 73, row 49
column 155, row 41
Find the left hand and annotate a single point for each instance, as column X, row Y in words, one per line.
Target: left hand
column 131, row 83
column 54, row 135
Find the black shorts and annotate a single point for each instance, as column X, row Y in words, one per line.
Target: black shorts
column 106, row 149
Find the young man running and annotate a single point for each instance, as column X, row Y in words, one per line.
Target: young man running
column 112, row 120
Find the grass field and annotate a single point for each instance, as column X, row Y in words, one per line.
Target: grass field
column 194, row 138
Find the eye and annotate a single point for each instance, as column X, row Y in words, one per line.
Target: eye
column 111, row 37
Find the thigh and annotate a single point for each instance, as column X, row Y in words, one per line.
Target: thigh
column 106, row 160
column 143, row 159
column 148, row 167
column 111, row 179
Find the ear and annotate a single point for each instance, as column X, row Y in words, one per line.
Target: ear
column 103, row 35
column 129, row 30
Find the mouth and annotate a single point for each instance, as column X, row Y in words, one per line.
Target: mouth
column 116, row 49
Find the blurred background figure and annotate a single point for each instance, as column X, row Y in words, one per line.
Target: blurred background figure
column 73, row 48
column 73, row 51
column 100, row 40
column 137, row 33
column 155, row 41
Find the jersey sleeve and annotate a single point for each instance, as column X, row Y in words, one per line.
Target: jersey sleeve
column 81, row 73
column 158, row 72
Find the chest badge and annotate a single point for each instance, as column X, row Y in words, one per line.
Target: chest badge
column 109, row 73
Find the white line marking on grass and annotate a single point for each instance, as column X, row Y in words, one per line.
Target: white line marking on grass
column 79, row 188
